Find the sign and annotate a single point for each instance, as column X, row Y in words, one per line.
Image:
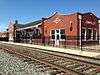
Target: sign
column 89, row 22
column 57, row 20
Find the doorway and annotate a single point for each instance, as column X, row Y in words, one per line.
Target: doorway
column 55, row 36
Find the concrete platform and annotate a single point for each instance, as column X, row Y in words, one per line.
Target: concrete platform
column 70, row 51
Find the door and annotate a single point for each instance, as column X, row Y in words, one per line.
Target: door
column 57, row 37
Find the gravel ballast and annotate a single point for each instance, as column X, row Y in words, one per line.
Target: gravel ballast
column 13, row 65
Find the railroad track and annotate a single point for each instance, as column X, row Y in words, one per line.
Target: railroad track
column 54, row 64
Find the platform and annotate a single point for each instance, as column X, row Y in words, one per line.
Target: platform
column 70, row 51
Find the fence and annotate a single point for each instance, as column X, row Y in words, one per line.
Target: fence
column 4, row 39
column 67, row 42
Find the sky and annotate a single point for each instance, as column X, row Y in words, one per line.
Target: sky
column 26, row 11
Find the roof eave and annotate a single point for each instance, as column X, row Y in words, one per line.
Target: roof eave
column 29, row 27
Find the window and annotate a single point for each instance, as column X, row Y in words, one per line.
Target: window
column 94, row 35
column 57, row 37
column 89, row 34
column 63, row 37
column 33, row 34
column 83, row 34
column 58, row 34
column 57, row 31
column 62, row 32
column 27, row 35
column 36, row 34
column 53, row 34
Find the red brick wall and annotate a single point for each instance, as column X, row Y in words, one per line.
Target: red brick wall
column 64, row 23
column 89, row 17
column 89, row 20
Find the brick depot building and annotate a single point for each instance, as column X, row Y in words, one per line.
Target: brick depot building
column 4, row 36
column 74, row 29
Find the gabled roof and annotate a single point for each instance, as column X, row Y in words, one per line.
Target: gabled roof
column 90, row 13
column 19, row 26
column 28, row 24
column 59, row 14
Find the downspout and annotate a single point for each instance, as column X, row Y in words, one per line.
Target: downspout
column 80, row 31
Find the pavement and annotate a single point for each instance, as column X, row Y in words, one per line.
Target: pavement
column 64, row 50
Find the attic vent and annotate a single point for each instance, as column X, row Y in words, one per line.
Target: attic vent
column 71, row 28
column 16, row 21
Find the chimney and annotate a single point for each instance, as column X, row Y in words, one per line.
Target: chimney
column 16, row 21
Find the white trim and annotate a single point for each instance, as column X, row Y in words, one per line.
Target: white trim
column 51, row 35
column 91, row 40
column 57, row 40
column 55, row 13
column 80, row 25
column 99, row 30
column 57, row 33
column 91, row 33
column 96, row 35
column 29, row 27
column 62, row 34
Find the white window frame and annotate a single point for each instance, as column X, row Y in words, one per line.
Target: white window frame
column 96, row 35
column 57, row 33
column 51, row 35
column 91, row 34
column 60, row 35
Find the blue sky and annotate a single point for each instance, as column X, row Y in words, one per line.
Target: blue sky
column 30, row 10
